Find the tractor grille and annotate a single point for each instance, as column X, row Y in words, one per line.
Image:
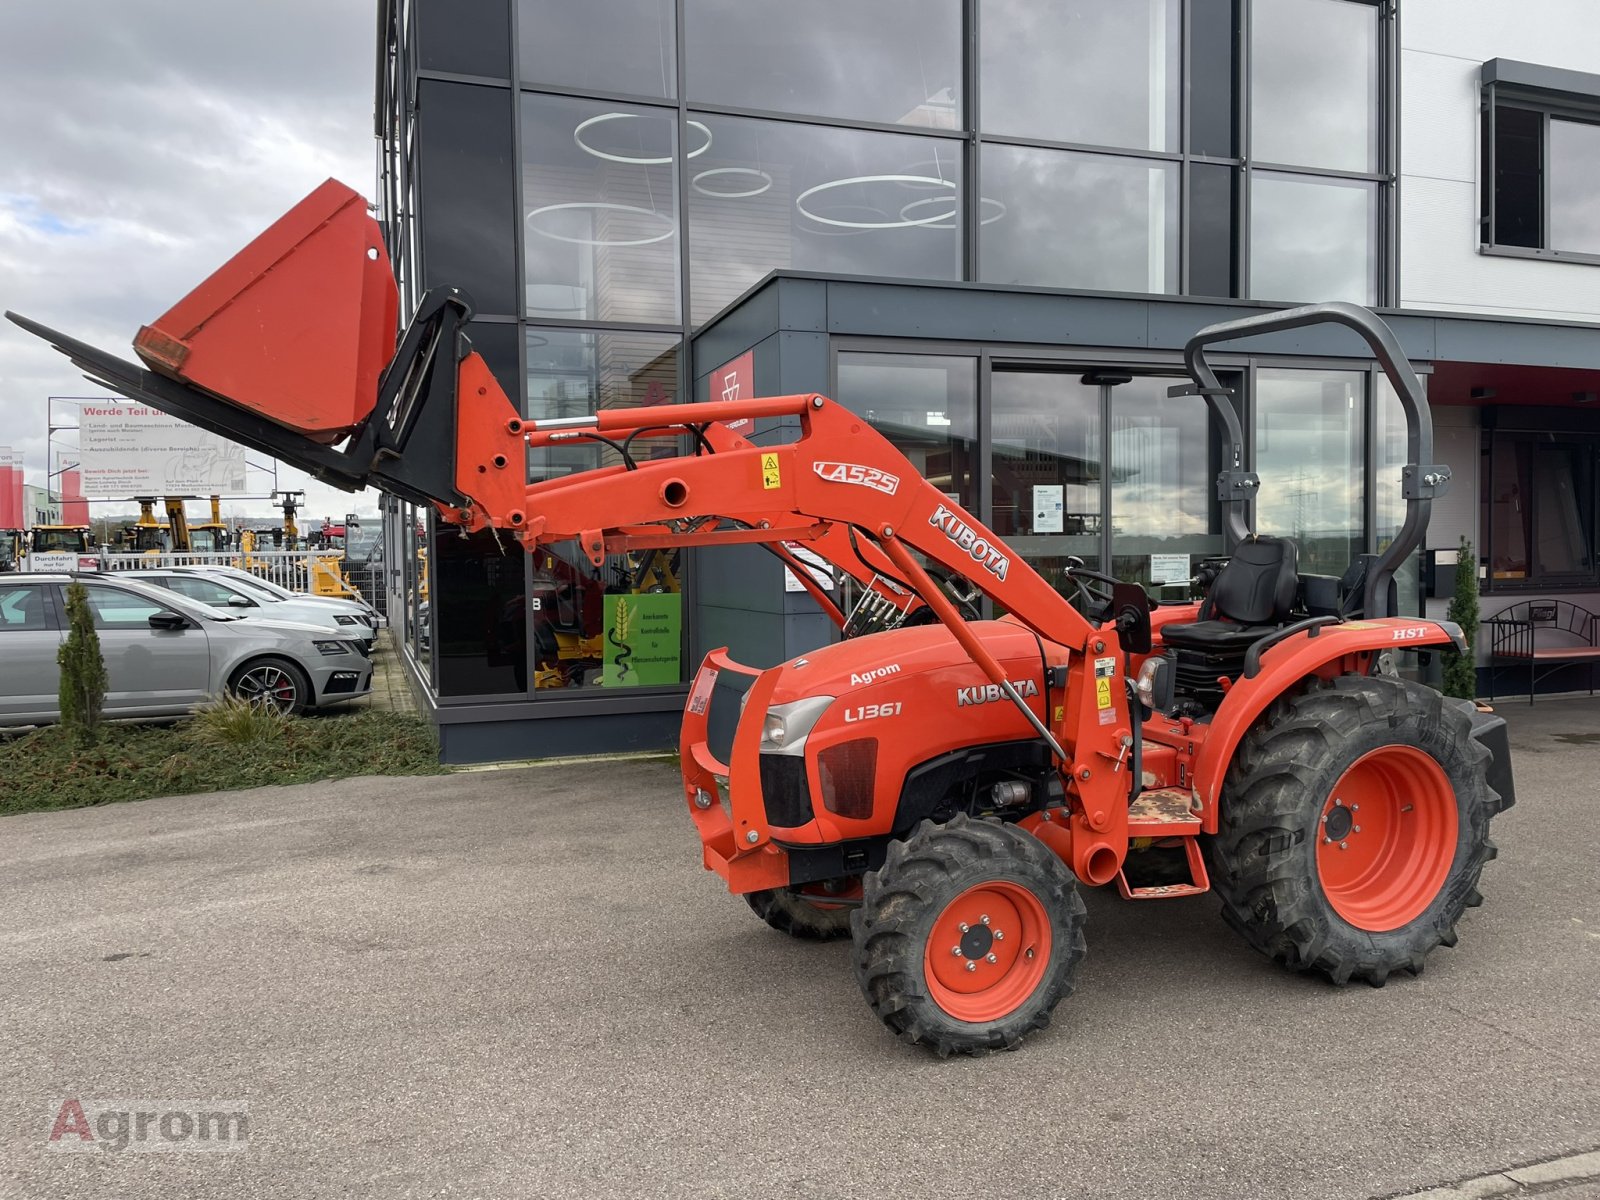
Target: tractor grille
column 785, row 790
column 848, row 771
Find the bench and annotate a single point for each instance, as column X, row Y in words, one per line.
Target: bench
column 1544, row 636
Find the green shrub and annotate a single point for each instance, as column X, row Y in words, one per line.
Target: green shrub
column 1461, row 670
column 83, row 671
column 231, row 721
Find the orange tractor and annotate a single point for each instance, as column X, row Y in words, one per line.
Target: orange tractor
column 936, row 786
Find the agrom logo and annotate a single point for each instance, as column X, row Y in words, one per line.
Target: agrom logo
column 873, row 673
column 989, row 693
column 957, row 530
column 841, row 472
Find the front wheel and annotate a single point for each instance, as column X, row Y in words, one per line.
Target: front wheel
column 1354, row 828
column 968, row 936
column 272, row 683
column 805, row 913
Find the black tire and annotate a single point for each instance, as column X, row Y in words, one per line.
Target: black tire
column 1281, row 792
column 275, row 682
column 799, row 916
column 922, row 883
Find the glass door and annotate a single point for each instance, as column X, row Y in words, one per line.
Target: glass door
column 1139, row 503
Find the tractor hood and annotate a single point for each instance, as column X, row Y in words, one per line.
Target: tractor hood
column 927, row 653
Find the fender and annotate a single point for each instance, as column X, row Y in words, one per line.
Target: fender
column 1325, row 651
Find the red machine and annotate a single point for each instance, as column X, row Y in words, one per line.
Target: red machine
column 939, row 786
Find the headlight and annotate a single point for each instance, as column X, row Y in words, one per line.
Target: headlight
column 332, row 647
column 344, row 618
column 785, row 727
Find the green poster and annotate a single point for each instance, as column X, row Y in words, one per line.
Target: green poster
column 643, row 640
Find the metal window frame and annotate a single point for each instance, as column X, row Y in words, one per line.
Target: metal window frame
column 1502, row 441
column 1554, row 94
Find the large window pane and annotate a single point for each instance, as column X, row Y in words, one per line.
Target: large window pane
column 1314, row 84
column 927, row 406
column 1056, row 218
column 469, row 39
column 1511, row 512
column 482, row 646
column 895, row 61
column 1309, row 430
column 772, row 194
column 1518, row 177
column 1047, row 457
column 1391, row 454
column 1313, row 239
column 600, row 229
column 599, row 45
column 1081, row 71
column 1164, row 514
column 468, row 206
column 582, row 618
column 1563, row 511
column 1574, row 186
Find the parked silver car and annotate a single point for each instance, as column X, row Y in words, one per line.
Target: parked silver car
column 164, row 652
column 360, row 610
column 238, row 597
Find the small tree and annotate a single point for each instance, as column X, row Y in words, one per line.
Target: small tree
column 83, row 671
column 1461, row 670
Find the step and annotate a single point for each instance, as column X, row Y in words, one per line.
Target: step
column 1163, row 812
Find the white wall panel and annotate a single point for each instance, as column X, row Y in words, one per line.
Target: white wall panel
column 1440, row 267
column 1444, row 43
column 1439, row 116
column 1554, row 33
column 1455, row 443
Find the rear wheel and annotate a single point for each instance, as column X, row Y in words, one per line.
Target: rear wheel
column 272, row 683
column 968, row 936
column 1354, row 828
column 805, row 912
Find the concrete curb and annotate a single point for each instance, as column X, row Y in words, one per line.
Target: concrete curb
column 1517, row 1180
column 570, row 760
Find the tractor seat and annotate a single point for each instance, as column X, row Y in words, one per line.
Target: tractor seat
column 1251, row 596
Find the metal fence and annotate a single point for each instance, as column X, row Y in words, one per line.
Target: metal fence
column 297, row 570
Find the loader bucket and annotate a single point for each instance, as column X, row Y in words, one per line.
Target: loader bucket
column 297, row 327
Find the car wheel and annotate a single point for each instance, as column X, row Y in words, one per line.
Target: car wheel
column 272, row 683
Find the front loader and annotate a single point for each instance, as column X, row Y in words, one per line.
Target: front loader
column 937, row 787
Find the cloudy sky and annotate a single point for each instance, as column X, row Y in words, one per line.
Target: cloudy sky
column 142, row 142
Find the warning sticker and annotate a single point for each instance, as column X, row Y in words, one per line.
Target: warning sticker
column 770, row 477
column 1105, row 670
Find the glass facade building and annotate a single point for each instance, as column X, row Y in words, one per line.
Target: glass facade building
column 987, row 225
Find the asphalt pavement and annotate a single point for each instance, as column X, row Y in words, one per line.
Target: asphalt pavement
column 522, row 983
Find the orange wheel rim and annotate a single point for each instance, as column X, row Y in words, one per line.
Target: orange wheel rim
column 988, row 951
column 1386, row 838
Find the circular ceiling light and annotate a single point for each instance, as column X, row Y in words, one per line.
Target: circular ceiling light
column 851, row 228
column 635, row 160
column 889, row 223
column 764, row 183
column 996, row 209
column 595, row 205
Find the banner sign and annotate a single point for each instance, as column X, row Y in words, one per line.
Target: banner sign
column 643, row 640
column 10, row 488
column 134, row 450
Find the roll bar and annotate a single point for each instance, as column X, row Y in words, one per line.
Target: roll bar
column 1421, row 479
